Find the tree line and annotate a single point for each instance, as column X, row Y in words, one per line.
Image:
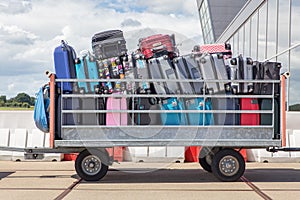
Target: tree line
column 22, row 100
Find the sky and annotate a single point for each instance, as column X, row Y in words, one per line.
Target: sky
column 31, row 29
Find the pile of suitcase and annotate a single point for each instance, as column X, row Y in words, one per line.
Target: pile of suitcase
column 162, row 80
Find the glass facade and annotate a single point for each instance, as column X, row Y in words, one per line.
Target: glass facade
column 205, row 21
column 272, row 33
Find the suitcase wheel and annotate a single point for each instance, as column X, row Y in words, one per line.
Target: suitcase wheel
column 153, row 101
column 197, row 48
column 166, row 57
column 203, row 60
column 233, row 61
column 249, row 61
column 220, row 56
column 227, row 46
column 77, row 61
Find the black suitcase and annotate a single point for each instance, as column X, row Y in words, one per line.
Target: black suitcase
column 267, row 119
column 145, row 103
column 65, row 119
column 222, row 104
column 267, row 71
column 92, row 104
column 241, row 69
column 108, row 44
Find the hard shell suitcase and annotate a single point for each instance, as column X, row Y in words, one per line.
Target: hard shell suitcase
column 158, row 45
column 92, row 104
column 86, row 68
column 267, row 71
column 182, row 73
column 246, row 73
column 172, row 118
column 117, row 72
column 155, row 73
column 209, row 73
column 223, row 48
column 141, row 72
column 234, row 75
column 228, row 103
column 188, row 67
column 115, row 104
column 145, row 103
column 130, row 74
column 105, row 73
column 199, row 118
column 168, row 73
column 64, row 63
column 65, row 119
column 221, row 71
column 249, row 118
column 108, row 44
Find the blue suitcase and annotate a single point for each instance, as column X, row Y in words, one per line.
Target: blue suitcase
column 86, row 68
column 64, row 63
column 160, row 68
column 187, row 68
column 172, row 118
column 199, row 118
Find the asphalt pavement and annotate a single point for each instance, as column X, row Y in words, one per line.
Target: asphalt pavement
column 126, row 180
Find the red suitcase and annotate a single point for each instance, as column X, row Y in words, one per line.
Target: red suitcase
column 158, row 45
column 224, row 48
column 249, row 118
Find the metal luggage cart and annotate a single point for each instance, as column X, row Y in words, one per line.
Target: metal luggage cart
column 220, row 143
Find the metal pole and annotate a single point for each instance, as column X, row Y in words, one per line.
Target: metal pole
column 52, row 109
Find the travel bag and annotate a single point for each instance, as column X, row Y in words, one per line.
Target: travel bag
column 64, row 64
column 249, row 118
column 108, row 44
column 209, row 73
column 158, row 45
column 267, row 71
column 223, row 48
column 86, row 68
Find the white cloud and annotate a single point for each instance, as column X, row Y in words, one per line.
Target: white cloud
column 15, row 6
column 29, row 35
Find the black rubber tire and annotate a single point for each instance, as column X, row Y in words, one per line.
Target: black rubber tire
column 204, row 164
column 203, row 156
column 95, row 157
column 228, row 165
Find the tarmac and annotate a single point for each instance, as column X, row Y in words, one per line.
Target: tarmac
column 127, row 180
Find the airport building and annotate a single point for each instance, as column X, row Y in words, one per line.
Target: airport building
column 261, row 29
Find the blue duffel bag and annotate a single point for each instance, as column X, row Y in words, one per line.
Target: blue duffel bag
column 41, row 109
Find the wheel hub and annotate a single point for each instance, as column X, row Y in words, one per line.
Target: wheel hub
column 229, row 165
column 91, row 165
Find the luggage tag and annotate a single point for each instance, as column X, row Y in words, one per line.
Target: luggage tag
column 201, row 105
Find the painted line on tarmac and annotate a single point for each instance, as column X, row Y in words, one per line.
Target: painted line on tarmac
column 68, row 190
column 255, row 188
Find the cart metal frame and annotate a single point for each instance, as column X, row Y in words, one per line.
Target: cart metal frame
column 219, row 143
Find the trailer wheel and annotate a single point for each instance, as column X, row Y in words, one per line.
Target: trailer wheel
column 205, row 158
column 228, row 165
column 91, row 165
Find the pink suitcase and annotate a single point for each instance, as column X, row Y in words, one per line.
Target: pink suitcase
column 116, row 118
column 223, row 48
